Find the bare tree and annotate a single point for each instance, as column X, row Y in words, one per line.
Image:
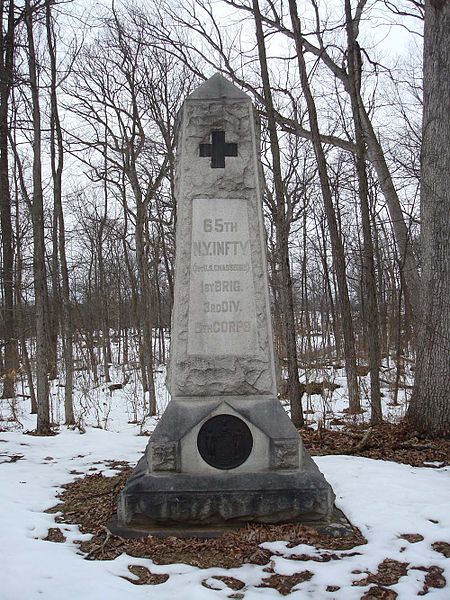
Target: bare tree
column 39, row 265
column 284, row 280
column 429, row 411
column 57, row 165
column 354, row 75
column 122, row 95
column 274, row 20
column 336, row 242
column 7, row 43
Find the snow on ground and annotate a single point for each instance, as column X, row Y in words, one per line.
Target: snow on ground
column 383, row 499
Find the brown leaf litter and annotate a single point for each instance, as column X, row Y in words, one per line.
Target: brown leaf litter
column 285, row 583
column 385, row 442
column 90, row 502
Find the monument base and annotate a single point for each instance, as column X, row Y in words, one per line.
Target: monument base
column 174, row 484
column 225, row 499
column 336, row 525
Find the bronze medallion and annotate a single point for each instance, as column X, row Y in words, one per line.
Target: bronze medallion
column 224, row 442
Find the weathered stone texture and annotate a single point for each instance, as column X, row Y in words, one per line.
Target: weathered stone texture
column 164, row 456
column 285, row 454
column 238, row 374
column 223, row 500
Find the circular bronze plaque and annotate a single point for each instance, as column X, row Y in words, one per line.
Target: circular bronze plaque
column 224, row 442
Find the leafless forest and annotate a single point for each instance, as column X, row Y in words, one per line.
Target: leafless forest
column 356, row 205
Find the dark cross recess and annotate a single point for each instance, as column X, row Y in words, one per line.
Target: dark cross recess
column 218, row 149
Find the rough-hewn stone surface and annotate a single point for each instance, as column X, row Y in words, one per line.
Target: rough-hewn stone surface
column 238, row 362
column 164, row 456
column 266, row 497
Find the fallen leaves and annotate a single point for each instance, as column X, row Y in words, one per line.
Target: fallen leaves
column 10, row 458
column 389, row 573
column 412, row 538
column 433, row 578
column 379, row 593
column 145, row 577
column 90, row 502
column 212, row 583
column 385, row 442
column 285, row 583
column 55, row 535
column 442, row 547
column 231, row 582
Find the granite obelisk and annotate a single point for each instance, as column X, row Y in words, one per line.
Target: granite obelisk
column 224, row 451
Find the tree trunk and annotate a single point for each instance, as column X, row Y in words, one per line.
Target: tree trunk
column 144, row 307
column 20, row 324
column 398, row 353
column 336, row 242
column 39, row 270
column 57, row 162
column 54, row 308
column 6, row 73
column 371, row 313
column 326, row 274
column 429, row 411
column 380, row 276
column 282, row 224
column 408, row 261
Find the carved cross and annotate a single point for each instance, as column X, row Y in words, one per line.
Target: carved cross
column 218, row 149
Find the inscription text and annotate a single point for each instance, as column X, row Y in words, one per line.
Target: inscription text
column 222, row 316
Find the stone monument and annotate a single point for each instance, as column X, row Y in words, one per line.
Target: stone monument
column 225, row 451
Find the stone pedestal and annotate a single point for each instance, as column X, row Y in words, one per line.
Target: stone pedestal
column 225, row 451
column 173, row 484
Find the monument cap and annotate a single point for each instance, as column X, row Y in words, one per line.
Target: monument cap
column 216, row 88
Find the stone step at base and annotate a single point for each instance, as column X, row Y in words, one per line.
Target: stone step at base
column 337, row 525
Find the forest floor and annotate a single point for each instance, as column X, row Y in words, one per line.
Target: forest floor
column 58, row 494
column 387, row 441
